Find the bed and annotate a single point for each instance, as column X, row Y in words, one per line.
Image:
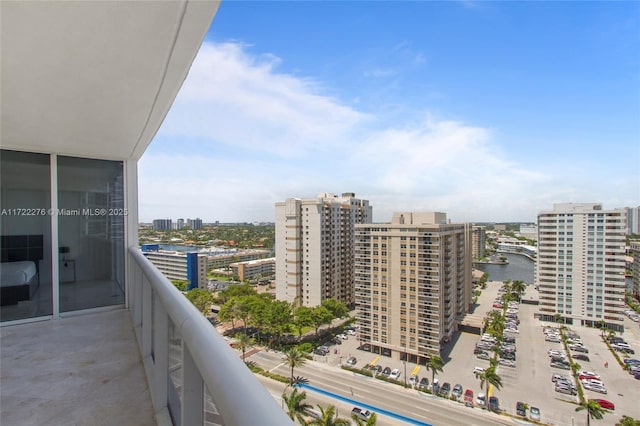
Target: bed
column 19, row 270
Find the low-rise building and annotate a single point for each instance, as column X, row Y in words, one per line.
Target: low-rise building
column 177, row 265
column 254, row 268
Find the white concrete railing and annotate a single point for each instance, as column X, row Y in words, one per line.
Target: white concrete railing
column 183, row 353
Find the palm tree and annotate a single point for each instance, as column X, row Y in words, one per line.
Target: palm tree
column 525, row 407
column 243, row 342
column 371, row 421
column 518, row 287
column 329, row 417
column 594, row 410
column 294, row 358
column 434, row 364
column 491, row 378
column 628, row 421
column 296, row 404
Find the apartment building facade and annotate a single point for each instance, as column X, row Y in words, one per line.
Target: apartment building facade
column 478, row 242
column 261, row 268
column 177, row 265
column 581, row 264
column 413, row 283
column 635, row 271
column 314, row 247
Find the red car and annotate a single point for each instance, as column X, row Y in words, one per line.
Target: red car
column 468, row 398
column 607, row 405
column 585, row 376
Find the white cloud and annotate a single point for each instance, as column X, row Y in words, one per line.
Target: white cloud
column 242, row 136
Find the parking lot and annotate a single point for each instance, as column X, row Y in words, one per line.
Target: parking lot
column 530, row 380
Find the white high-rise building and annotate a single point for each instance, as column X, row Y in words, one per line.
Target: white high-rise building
column 413, row 283
column 581, row 264
column 314, row 247
column 633, row 220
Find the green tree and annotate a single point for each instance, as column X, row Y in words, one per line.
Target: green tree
column 229, row 311
column 201, row 299
column 296, row 405
column 434, row 364
column 320, row 316
column 594, row 410
column 278, row 317
column 181, row 285
column 628, row 421
column 518, row 287
column 235, row 291
column 302, row 317
column 491, row 378
column 337, row 308
column 329, row 417
column 243, row 342
column 294, row 358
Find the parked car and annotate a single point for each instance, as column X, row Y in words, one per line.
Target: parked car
column 494, row 403
column 386, row 371
column 377, row 370
column 560, row 365
column 361, row 413
column 556, row 377
column 534, row 413
column 319, row 351
column 581, row 357
column 481, row 399
column 424, row 383
column 520, row 409
column 395, row 374
column 478, row 370
column 483, row 355
column 507, row 363
column 631, row 361
column 588, row 373
column 579, row 349
column 595, row 388
column 468, row 398
column 554, row 352
column 563, row 388
column 444, row 389
column 457, row 390
column 607, row 405
column 552, row 339
column 413, row 380
column 342, row 336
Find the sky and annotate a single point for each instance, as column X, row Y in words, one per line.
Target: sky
column 487, row 111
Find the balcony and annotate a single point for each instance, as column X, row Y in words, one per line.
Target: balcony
column 82, row 369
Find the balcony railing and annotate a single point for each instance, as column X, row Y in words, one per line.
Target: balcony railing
column 193, row 374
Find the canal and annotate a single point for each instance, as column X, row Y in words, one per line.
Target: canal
column 519, row 268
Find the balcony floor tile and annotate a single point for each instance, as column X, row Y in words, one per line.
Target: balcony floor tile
column 80, row 370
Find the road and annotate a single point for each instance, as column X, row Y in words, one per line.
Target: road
column 405, row 402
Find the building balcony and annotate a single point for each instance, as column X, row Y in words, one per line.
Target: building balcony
column 158, row 362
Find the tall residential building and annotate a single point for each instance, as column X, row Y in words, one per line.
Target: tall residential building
column 314, row 247
column 633, row 220
column 413, row 283
column 479, row 242
column 162, row 225
column 580, row 267
column 179, row 223
column 635, row 252
column 194, row 223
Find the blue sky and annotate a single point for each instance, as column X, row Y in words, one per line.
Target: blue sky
column 488, row 111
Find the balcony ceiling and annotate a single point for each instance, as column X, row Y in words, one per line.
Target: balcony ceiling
column 94, row 79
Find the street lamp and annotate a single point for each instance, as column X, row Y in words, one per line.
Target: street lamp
column 405, row 370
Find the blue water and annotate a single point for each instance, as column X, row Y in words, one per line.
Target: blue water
column 519, row 268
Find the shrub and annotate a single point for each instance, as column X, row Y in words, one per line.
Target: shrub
column 305, row 347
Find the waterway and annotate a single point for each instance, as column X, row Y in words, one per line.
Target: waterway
column 519, row 268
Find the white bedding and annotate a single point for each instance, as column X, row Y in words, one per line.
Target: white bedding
column 16, row 273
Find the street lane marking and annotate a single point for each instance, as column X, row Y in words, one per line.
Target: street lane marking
column 415, row 371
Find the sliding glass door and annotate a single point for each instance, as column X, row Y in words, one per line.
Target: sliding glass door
column 25, row 234
column 90, row 233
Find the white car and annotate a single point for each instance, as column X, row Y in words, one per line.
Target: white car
column 554, row 352
column 478, row 370
column 595, row 388
column 592, row 382
column 351, row 332
column 395, row 374
column 342, row 336
column 507, row 363
column 481, row 400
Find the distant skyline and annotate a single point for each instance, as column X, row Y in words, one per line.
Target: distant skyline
column 488, row 111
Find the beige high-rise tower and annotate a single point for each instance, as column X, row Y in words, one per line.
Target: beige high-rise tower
column 314, row 247
column 413, row 283
column 580, row 266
